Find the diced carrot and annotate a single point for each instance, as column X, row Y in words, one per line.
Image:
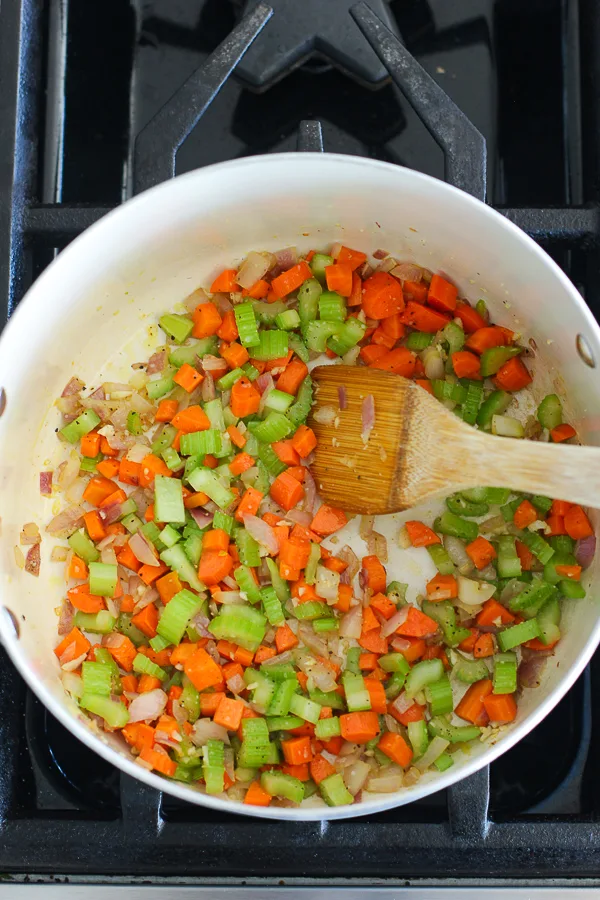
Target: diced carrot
column 573, row 573
column 279, row 363
column 98, row 489
column 77, row 568
column 286, row 452
column 484, row 646
column 367, row 662
column 228, row 330
column 400, row 361
column 139, row 735
column 383, row 605
column 466, row 365
column 124, row 654
column 328, row 520
column 481, row 551
column 225, row 283
column 215, row 565
column 297, row 751
column 285, row 639
column 560, row 507
column 373, row 642
column 442, row 295
column 245, row 399
column 417, row 624
column 166, row 410
column 160, row 761
column 374, row 573
column 148, row 683
column 381, row 296
column 442, row 587
column 126, row 557
column 191, row 419
column 556, row 525
column 250, row 502
column 513, row 376
column 525, row 514
column 188, row 378
column 264, row 653
column 108, row 467
column 129, row 472
column 414, row 713
column 421, row 535
column 241, row 463
column 118, row 496
column 415, row 649
column 287, row 491
column 210, row 702
column 370, row 353
column 151, row 466
column 577, row 524
column 359, row 727
column 339, row 278
column 525, row 555
column 229, row 714
column 394, row 746
column 369, row 620
column 149, row 574
column 235, row 355
column 487, row 337
column 146, row 620
column 471, row 706
column 562, row 433
column 81, row 599
column 90, row 444
column 236, row 436
column 423, row 318
column 376, row 695
column 256, row 795
column 335, row 565
column 168, row 586
column 344, row 598
column 501, row 708
column 127, row 603
column 352, row 258
column 381, row 338
column 470, row 318
column 258, row 290
column 304, row 441
column 492, row 611
column 355, row 298
column 207, row 320
column 107, row 450
column 392, row 327
column 290, row 380
column 291, row 279
column 415, row 290
column 469, row 643
column 202, row 670
column 94, row 525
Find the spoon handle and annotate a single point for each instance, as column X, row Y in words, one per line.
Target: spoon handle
column 566, row 472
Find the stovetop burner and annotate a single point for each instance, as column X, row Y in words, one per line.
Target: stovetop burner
column 68, row 109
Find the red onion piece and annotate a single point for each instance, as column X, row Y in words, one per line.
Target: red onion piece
column 400, row 644
column 213, row 363
column 286, row 258
column 33, row 560
column 157, row 362
column 98, row 394
column 395, row 622
column 262, row 533
column 46, row 484
column 407, row 272
column 207, row 389
column 351, row 623
column 298, row 516
column 149, row 596
column 67, row 614
column 236, row 684
column 148, row 706
column 201, row 623
column 202, row 518
column 530, row 671
column 368, row 417
column 142, row 550
column 347, row 555
column 254, row 267
column 110, row 514
column 489, row 629
column 310, row 491
column 585, row 549
column 206, row 730
column 342, row 397
column 222, row 302
column 73, row 386
column 264, row 382
column 402, row 703
column 377, row 546
column 380, row 254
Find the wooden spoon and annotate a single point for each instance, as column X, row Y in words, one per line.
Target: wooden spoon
column 418, row 449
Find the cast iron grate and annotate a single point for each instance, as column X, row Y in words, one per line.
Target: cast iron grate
column 64, row 810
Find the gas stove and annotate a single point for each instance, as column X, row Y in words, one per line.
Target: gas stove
column 100, row 101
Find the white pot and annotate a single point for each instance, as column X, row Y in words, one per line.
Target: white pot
column 90, row 313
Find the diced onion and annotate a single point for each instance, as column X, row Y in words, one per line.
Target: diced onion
column 327, row 584
column 437, row 746
column 351, row 623
column 148, row 706
column 254, row 267
column 474, row 593
column 356, row 775
column 432, row 362
column 206, row 730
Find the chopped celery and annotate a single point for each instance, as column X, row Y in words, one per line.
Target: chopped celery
column 97, row 679
column 469, row 670
column 494, row 358
column 346, row 336
column 507, row 426
column 301, row 408
column 165, row 440
column 549, row 620
column 263, row 689
column 169, row 536
column 445, row 615
column 273, row 428
column 334, row 791
column 559, row 559
column 505, row 673
column 394, row 662
column 492, row 495
column 80, row 426
column 114, row 712
column 224, row 522
column 317, row 334
column 279, row 400
column 455, row 526
column 518, row 634
column 168, row 500
column 273, row 345
column 318, row 264
column 177, row 327
column 272, row 607
column 214, row 412
column 226, row 382
column 250, row 372
column 96, row 623
column 448, row 390
column 396, row 592
column 508, row 509
column 542, row 504
column 538, row 546
column 247, row 326
column 332, row 307
column 439, row 696
column 204, row 479
column 472, row 402
column 270, row 460
column 327, row 624
column 394, row 685
column 80, row 544
column 247, row 548
column 549, row 412
column 281, row 586
column 418, row 735
column 284, row 723
column 213, row 768
column 282, row 698
column 190, row 701
column 441, row 559
column 299, row 347
column 243, row 625
column 158, row 387
column 288, row 320
column 134, row 634
column 278, row 784
column 135, row 425
column 532, row 598
column 247, row 584
column 176, row 559
column 278, row 671
column 454, row 334
column 423, row 673
column 266, row 312
column 494, row 405
column 460, row 506
column 151, row 531
column 158, row 643
column 172, row 459
column 353, row 660
column 327, row 728
column 327, row 698
column 357, row 695
column 572, row 590
column 189, row 352
column 456, row 734
column 177, row 614
column 312, row 609
column 418, row 340
column 145, row 666
column 103, row 579
column 89, row 463
column 443, row 762
column 198, row 443
column 508, row 563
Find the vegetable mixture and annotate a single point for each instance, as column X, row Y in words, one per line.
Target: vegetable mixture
column 205, row 619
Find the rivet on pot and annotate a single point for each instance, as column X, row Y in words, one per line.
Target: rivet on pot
column 11, row 620
column 585, row 352
column 2, row 400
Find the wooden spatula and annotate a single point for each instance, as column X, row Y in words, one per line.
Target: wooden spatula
column 418, row 450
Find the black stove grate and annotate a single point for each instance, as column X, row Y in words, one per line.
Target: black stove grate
column 534, row 813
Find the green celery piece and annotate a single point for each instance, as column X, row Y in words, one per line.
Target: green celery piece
column 394, row 662
column 284, row 723
column 247, row 548
column 168, row 500
column 334, row 791
column 394, row 685
column 508, row 563
column 278, row 784
column 177, row 614
column 439, row 696
column 97, row 679
column 418, row 737
column 103, row 579
column 204, row 479
column 263, row 688
column 310, row 572
column 169, row 536
column 572, row 590
column 213, row 767
column 134, row 634
column 460, row 506
column 538, row 546
column 299, row 411
column 134, row 422
column 454, row 334
column 559, row 559
column 443, row 762
column 273, row 345
column 327, row 698
column 151, row 531
column 247, row 325
column 448, row 390
column 281, row 586
column 325, row 729
column 159, row 643
column 549, row 621
column 445, row 615
column 505, row 673
column 518, row 634
column 177, row 327
column 353, row 660
column 396, row 592
column 453, row 525
column 329, row 623
column 282, row 698
column 190, row 701
column 357, row 695
column 270, row 460
column 189, row 352
column 308, row 301
column 224, row 522
column 96, row 623
column 192, row 547
column 456, row 734
column 273, row 428
column 198, row 443
column 317, row 265
column 296, row 344
column 494, row 358
column 495, row 404
column 165, row 440
column 542, row 504
column 89, row 463
column 549, row 412
column 226, row 382
column 288, row 320
column 278, row 671
column 243, row 625
column 175, row 558
column 80, row 544
column 272, row 608
column 441, row 559
column 172, row 459
column 423, row 673
column 280, row 401
column 317, row 334
column 310, row 610
column 214, row 412
column 418, row 340
column 114, row 712
column 247, row 584
column 532, row 598
column 469, row 670
column 158, row 387
column 493, row 495
column 306, row 709
column 347, row 336
column 145, row 666
column 472, row 403
column 332, row 307
column 80, row 426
